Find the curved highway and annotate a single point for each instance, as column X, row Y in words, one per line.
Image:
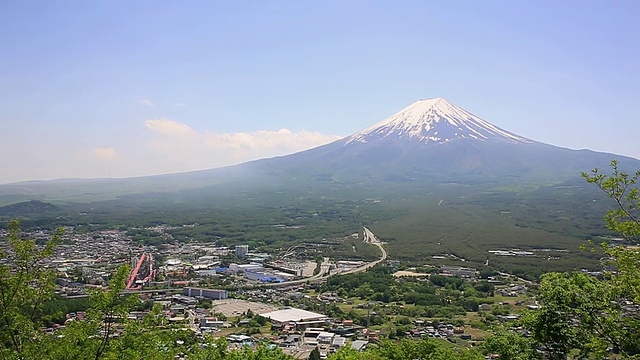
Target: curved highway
column 369, row 237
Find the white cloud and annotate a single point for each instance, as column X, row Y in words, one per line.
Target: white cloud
column 167, row 147
column 169, row 127
column 180, row 148
column 105, row 153
column 147, row 102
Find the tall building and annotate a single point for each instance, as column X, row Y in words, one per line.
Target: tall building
column 242, row 250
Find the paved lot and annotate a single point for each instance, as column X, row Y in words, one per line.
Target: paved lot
column 235, row 307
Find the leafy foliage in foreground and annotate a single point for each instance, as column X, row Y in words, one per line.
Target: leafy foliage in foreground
column 583, row 316
column 406, row 349
column 25, row 286
column 620, row 186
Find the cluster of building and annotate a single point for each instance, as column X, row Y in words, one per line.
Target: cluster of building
column 513, row 290
column 543, row 253
column 183, row 294
column 258, row 272
column 460, row 271
column 511, row 252
column 429, row 329
column 88, row 260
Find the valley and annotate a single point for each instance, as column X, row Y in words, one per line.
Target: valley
column 470, row 220
column 430, row 224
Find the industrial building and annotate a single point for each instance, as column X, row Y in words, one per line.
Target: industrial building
column 458, row 271
column 242, row 251
column 214, row 294
column 255, row 267
column 301, row 318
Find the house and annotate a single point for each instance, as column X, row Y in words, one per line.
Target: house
column 338, row 342
column 359, row 345
column 211, row 322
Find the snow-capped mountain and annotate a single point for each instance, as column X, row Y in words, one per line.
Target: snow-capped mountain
column 433, row 140
column 434, row 120
column 429, row 143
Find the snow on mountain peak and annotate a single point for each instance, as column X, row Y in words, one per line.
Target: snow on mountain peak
column 434, row 120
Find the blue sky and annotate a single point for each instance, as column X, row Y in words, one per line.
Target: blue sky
column 121, row 88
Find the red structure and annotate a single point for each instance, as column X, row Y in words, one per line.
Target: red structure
column 142, row 271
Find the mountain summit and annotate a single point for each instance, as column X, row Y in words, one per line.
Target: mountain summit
column 435, row 141
column 430, row 143
column 434, row 120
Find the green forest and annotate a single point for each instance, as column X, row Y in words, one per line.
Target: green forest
column 581, row 316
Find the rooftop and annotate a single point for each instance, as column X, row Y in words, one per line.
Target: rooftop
column 292, row 314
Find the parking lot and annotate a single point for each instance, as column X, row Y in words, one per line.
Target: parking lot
column 235, row 307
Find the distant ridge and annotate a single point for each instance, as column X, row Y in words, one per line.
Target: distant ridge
column 27, row 208
column 428, row 143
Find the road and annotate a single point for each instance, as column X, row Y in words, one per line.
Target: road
column 369, row 237
column 192, row 321
column 321, row 275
